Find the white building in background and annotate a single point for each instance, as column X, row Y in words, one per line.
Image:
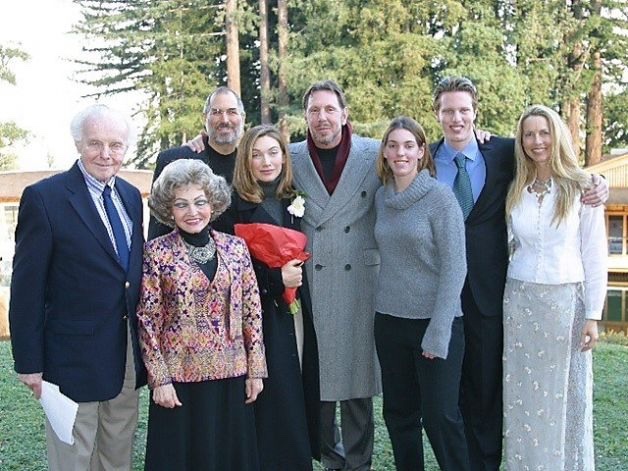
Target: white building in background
column 12, row 185
column 615, row 170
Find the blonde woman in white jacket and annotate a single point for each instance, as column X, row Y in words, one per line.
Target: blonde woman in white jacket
column 554, row 296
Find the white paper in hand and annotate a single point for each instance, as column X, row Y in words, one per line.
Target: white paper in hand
column 60, row 411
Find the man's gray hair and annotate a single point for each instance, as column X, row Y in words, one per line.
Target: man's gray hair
column 222, row 90
column 179, row 174
column 97, row 111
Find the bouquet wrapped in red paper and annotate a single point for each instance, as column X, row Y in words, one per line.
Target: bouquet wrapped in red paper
column 275, row 246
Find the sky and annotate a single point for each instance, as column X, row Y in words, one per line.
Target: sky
column 46, row 97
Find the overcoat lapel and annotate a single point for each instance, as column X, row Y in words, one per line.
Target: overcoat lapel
column 322, row 206
column 307, row 179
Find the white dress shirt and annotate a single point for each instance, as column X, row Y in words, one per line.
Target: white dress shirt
column 574, row 251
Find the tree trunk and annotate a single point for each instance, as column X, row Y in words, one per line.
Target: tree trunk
column 283, row 100
column 576, row 61
column 571, row 106
column 233, row 45
column 263, row 60
column 593, row 153
column 573, row 122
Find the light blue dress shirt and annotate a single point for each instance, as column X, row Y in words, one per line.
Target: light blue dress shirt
column 446, row 169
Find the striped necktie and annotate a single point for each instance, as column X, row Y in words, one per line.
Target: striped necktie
column 462, row 185
column 116, row 226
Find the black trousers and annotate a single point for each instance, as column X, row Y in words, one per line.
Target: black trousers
column 421, row 393
column 350, row 446
column 481, row 386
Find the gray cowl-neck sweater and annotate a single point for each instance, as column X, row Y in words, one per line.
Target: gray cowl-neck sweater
column 420, row 236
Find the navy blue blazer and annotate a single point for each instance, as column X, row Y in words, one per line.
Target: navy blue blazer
column 485, row 228
column 70, row 297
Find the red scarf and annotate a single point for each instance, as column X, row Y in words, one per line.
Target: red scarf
column 342, row 154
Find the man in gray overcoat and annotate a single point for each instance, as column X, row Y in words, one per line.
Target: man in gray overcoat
column 336, row 171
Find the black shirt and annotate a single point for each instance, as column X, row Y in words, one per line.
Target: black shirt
column 221, row 164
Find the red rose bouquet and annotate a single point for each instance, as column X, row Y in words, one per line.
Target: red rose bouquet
column 275, row 246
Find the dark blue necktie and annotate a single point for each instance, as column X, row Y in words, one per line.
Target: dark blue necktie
column 117, row 228
column 462, row 185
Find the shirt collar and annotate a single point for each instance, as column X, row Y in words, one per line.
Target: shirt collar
column 470, row 151
column 94, row 184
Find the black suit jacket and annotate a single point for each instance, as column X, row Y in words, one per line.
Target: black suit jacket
column 223, row 224
column 485, row 228
column 70, row 297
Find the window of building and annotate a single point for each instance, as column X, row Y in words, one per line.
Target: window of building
column 10, row 219
column 615, row 309
column 616, row 234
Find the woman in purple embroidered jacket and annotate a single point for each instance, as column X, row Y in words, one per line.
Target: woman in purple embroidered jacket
column 200, row 330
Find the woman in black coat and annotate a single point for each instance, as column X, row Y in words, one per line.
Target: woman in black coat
column 287, row 411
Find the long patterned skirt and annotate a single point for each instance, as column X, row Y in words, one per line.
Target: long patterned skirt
column 548, row 380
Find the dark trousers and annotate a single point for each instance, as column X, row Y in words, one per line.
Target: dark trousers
column 481, row 386
column 419, row 392
column 349, row 447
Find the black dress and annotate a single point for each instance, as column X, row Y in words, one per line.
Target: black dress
column 288, row 409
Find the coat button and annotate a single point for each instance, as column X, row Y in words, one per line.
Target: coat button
column 318, row 267
column 347, row 229
column 264, row 291
column 125, row 317
column 363, row 194
column 318, row 229
column 347, row 267
column 127, row 285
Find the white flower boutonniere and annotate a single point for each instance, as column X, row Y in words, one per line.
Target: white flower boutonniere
column 297, row 207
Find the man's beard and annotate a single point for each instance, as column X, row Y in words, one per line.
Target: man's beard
column 232, row 137
column 324, row 140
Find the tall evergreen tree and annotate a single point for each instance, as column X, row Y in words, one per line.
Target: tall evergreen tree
column 172, row 51
column 387, row 54
column 10, row 133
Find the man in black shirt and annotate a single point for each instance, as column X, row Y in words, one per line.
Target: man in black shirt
column 224, row 123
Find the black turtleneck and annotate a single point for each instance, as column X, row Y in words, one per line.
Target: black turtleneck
column 270, row 203
column 221, row 164
column 199, row 240
column 328, row 160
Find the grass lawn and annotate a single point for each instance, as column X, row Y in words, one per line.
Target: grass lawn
column 22, row 442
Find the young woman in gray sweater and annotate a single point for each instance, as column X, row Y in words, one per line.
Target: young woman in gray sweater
column 418, row 325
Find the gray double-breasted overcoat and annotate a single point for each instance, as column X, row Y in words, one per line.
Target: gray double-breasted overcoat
column 343, row 269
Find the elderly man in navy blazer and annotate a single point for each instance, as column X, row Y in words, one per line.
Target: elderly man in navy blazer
column 74, row 289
